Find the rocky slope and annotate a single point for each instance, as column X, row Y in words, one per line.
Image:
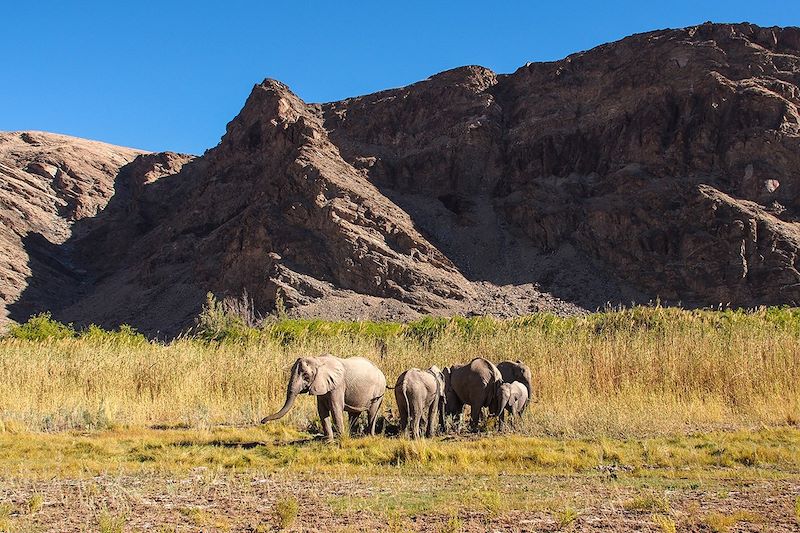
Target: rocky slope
column 661, row 166
column 47, row 182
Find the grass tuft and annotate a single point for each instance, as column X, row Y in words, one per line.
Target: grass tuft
column 452, row 525
column 797, row 510
column 35, row 503
column 108, row 522
column 565, row 517
column 287, row 508
column 7, row 524
column 664, row 523
column 722, row 522
column 647, row 504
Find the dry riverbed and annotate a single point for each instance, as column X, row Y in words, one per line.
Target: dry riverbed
column 259, row 480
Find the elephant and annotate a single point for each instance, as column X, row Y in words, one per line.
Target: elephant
column 476, row 384
column 513, row 397
column 420, row 396
column 518, row 371
column 351, row 384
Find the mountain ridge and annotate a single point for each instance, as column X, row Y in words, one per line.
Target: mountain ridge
column 660, row 166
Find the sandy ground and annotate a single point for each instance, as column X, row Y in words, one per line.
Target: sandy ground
column 208, row 500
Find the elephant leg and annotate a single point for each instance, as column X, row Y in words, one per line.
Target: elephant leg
column 413, row 418
column 372, row 414
column 458, row 417
column 402, row 411
column 415, row 422
column 455, row 409
column 431, row 425
column 474, row 417
column 353, row 419
column 337, row 410
column 325, row 417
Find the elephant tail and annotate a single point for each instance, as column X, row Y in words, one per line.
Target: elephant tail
column 404, row 388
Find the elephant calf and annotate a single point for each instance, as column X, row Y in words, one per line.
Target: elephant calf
column 513, row 397
column 517, row 371
column 420, row 396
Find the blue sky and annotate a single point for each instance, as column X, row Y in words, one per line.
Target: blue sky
column 170, row 75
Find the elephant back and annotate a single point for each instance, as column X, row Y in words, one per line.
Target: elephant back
column 478, row 380
column 362, row 370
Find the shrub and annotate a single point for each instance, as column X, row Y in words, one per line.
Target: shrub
column 226, row 320
column 41, row 327
column 125, row 335
column 287, row 509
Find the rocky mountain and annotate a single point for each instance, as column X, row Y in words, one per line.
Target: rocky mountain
column 47, row 182
column 662, row 166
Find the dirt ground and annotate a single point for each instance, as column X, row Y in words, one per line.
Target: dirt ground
column 208, row 500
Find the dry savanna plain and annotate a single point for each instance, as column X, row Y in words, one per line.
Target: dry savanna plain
column 643, row 419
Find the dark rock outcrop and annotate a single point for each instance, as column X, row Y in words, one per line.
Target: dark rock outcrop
column 662, row 166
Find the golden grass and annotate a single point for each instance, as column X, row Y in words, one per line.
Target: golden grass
column 646, row 371
column 765, row 454
column 721, row 522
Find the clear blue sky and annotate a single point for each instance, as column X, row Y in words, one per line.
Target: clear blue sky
column 169, row 75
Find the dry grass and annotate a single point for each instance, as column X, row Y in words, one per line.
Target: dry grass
column 282, row 449
column 646, row 371
column 721, row 522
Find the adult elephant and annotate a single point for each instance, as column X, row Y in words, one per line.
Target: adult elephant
column 353, row 384
column 517, row 371
column 420, row 397
column 476, row 384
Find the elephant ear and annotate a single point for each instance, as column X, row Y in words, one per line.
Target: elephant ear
column 498, row 377
column 446, row 372
column 330, row 374
column 438, row 374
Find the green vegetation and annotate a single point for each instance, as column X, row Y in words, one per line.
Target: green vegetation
column 648, row 503
column 664, row 523
column 287, row 508
column 797, row 510
column 281, row 449
column 108, row 522
column 35, row 503
column 630, row 372
column 722, row 522
column 6, row 522
column 565, row 517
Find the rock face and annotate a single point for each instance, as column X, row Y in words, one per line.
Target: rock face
column 662, row 166
column 47, row 183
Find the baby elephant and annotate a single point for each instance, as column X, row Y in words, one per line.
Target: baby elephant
column 420, row 396
column 513, row 397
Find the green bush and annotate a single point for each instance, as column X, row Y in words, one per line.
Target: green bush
column 124, row 335
column 40, row 327
column 235, row 321
column 217, row 322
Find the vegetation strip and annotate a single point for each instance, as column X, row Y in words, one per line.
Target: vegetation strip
column 765, row 453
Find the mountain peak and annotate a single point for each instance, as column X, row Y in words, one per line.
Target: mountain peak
column 664, row 165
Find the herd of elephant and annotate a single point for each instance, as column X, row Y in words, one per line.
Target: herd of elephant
column 424, row 397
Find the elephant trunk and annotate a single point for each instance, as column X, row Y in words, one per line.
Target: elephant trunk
column 292, row 390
